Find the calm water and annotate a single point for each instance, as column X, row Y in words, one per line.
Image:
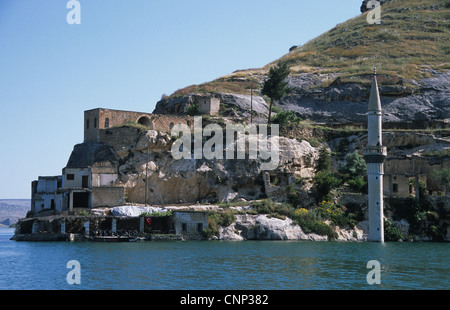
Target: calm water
column 222, row 265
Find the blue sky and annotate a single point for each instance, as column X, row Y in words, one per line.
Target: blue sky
column 125, row 55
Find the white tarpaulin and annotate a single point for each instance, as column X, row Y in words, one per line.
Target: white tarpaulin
column 134, row 211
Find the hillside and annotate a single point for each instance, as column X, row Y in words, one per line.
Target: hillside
column 330, row 74
column 13, row 209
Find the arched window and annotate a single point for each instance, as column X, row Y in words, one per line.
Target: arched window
column 145, row 121
column 106, row 122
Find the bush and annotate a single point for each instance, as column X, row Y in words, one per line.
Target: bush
column 324, row 161
column 311, row 222
column 392, row 233
column 226, row 218
column 286, row 118
column 216, row 219
column 324, row 182
column 193, row 109
column 292, row 195
column 336, row 213
column 265, row 206
column 355, row 165
column 358, row 184
column 213, row 228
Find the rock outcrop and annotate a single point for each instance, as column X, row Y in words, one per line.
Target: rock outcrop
column 364, row 4
column 263, row 227
column 406, row 103
column 231, row 104
column 171, row 181
column 414, row 102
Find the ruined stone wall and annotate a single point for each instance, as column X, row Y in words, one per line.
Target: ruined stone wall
column 97, row 119
column 208, row 105
column 99, row 122
column 187, row 223
column 401, row 185
column 107, row 196
column 119, row 136
column 90, row 126
column 119, row 118
column 400, row 170
column 165, row 123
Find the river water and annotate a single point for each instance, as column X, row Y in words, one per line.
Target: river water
column 216, row 265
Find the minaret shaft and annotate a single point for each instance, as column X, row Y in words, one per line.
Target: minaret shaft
column 375, row 154
column 374, row 129
column 376, row 205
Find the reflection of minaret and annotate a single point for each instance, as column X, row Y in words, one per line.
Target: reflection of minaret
column 375, row 154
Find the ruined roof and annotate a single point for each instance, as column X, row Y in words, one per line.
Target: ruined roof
column 87, row 154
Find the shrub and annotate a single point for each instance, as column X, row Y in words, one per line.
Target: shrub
column 193, row 109
column 226, row 218
column 213, row 228
column 392, row 233
column 355, row 165
column 284, row 209
column 265, row 206
column 286, row 118
column 324, row 161
column 216, row 219
column 311, row 222
column 358, row 184
column 292, row 195
column 324, row 182
column 443, row 177
column 336, row 213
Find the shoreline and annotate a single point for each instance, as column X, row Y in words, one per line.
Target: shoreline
column 246, row 227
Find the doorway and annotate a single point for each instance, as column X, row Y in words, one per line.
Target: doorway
column 85, row 181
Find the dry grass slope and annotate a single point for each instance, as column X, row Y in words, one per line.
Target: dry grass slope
column 412, row 38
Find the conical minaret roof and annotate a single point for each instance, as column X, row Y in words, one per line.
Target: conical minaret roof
column 374, row 100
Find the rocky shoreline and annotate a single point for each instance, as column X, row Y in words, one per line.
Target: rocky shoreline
column 246, row 226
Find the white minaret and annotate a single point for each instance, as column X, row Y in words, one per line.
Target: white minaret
column 375, row 154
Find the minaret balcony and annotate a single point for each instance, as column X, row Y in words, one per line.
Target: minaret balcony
column 375, row 154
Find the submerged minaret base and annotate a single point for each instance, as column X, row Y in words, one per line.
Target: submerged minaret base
column 375, row 154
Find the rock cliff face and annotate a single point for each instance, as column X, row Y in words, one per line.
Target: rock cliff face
column 424, row 100
column 419, row 103
column 191, row 180
column 262, row 227
column 231, row 104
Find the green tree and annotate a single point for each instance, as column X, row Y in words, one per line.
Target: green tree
column 324, row 161
column 443, row 177
column 324, row 182
column 276, row 85
column 355, row 166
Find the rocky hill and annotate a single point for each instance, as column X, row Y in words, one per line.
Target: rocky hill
column 172, row 181
column 330, row 75
column 12, row 210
